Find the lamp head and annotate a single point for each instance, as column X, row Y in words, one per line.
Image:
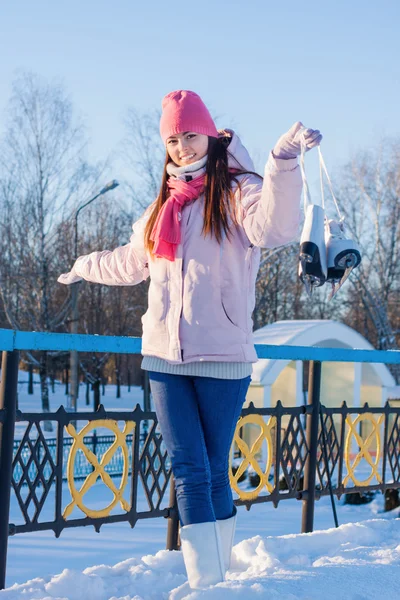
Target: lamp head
column 109, row 186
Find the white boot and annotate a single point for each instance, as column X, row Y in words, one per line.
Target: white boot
column 227, row 532
column 313, row 266
column 202, row 553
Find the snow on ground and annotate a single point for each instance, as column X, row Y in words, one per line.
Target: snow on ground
column 270, row 558
column 357, row 561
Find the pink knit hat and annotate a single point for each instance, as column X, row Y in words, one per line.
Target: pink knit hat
column 185, row 111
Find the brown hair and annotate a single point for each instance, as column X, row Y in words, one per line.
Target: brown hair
column 219, row 205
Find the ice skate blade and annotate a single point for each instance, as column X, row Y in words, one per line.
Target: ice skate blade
column 336, row 286
column 308, row 286
column 310, row 283
column 313, row 270
column 333, row 291
column 303, row 267
column 303, row 275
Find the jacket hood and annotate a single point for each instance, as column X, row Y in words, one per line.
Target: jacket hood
column 238, row 157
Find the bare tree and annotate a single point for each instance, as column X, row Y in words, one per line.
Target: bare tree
column 370, row 199
column 144, row 154
column 42, row 175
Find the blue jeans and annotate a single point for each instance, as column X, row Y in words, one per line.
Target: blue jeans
column 197, row 418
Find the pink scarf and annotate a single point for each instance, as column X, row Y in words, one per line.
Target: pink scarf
column 166, row 233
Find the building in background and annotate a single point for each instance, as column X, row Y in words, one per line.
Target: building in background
column 284, row 380
column 287, row 380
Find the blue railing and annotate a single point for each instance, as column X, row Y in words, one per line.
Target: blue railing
column 26, row 340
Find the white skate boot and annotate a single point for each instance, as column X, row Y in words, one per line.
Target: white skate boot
column 312, row 256
column 343, row 254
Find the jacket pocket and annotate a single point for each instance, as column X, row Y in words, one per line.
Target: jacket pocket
column 159, row 301
column 234, row 283
column 229, row 319
column 226, row 314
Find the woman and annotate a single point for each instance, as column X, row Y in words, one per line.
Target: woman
column 200, row 244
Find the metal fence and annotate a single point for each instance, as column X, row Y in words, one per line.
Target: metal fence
column 302, row 452
column 24, row 467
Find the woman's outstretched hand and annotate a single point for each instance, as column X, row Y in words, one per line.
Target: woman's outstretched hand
column 289, row 144
column 68, row 278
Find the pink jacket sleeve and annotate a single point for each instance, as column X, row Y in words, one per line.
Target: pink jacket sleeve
column 126, row 265
column 270, row 210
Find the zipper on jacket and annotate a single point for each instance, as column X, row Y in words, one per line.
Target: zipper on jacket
column 250, row 258
column 180, row 316
column 181, row 313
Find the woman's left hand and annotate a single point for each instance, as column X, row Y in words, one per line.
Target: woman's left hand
column 289, row 144
column 68, row 278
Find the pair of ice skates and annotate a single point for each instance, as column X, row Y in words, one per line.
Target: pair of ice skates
column 327, row 252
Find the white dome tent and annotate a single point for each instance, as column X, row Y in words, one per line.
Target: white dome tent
column 356, row 383
column 274, row 380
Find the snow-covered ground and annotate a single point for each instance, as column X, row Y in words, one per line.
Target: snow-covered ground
column 358, row 561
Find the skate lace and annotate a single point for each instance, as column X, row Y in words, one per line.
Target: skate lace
column 322, row 171
column 336, row 230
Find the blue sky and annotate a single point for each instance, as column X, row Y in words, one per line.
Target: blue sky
column 259, row 65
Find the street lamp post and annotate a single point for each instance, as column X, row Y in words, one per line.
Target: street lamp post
column 74, row 301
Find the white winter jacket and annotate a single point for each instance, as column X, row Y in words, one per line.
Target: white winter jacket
column 200, row 305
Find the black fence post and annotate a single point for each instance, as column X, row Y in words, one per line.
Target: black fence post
column 327, row 468
column 96, row 394
column 30, row 379
column 87, row 392
column 173, row 520
column 146, row 397
column 66, row 380
column 8, row 401
column 314, row 387
column 146, row 392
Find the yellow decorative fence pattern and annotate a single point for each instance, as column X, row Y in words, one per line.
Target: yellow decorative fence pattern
column 369, row 449
column 98, row 467
column 364, row 445
column 249, row 455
